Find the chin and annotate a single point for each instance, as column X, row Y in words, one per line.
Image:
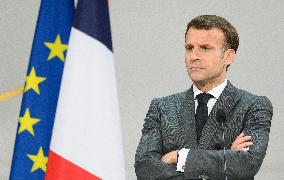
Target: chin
column 197, row 79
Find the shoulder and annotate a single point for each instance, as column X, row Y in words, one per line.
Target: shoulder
column 254, row 100
column 175, row 99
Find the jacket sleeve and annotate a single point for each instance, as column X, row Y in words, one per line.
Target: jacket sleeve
column 240, row 165
column 148, row 164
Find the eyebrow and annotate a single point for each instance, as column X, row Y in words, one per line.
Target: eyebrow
column 206, row 45
column 202, row 45
column 188, row 46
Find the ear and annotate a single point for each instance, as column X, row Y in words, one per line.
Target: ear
column 229, row 57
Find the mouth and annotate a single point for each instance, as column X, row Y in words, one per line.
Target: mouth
column 196, row 69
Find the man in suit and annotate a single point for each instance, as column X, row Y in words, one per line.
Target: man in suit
column 181, row 135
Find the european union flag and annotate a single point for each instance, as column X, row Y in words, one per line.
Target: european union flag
column 42, row 89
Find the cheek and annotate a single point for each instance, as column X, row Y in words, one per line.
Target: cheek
column 186, row 60
column 216, row 61
column 216, row 67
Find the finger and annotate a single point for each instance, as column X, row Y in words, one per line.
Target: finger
column 244, row 145
column 242, row 140
column 240, row 149
column 241, row 135
column 245, row 141
column 245, row 149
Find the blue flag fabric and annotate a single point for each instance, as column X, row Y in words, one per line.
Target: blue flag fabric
column 41, row 89
column 98, row 26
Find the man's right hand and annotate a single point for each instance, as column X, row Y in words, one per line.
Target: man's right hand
column 242, row 143
column 170, row 158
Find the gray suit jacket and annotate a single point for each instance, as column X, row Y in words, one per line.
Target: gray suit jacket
column 170, row 125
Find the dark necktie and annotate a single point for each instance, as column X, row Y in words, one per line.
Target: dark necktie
column 201, row 112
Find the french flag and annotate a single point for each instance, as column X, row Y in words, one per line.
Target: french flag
column 86, row 140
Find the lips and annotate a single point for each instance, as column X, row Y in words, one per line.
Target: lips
column 196, row 68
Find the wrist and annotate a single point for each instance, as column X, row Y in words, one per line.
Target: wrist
column 177, row 155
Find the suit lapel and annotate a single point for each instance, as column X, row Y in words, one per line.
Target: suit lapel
column 187, row 116
column 226, row 101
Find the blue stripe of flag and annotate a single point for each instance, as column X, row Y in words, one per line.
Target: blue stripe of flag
column 92, row 18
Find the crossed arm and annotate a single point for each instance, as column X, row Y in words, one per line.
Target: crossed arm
column 243, row 160
column 241, row 143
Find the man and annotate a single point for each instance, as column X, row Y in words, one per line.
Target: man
column 181, row 136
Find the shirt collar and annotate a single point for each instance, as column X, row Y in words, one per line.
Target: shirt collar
column 216, row 91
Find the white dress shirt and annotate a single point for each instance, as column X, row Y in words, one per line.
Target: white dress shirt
column 215, row 92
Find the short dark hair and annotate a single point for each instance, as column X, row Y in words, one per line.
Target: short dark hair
column 212, row 21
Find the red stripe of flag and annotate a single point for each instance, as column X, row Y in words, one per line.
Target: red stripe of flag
column 60, row 168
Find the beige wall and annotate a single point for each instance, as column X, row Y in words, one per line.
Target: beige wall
column 148, row 46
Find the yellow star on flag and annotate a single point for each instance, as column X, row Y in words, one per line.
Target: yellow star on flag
column 32, row 81
column 39, row 161
column 56, row 48
column 27, row 122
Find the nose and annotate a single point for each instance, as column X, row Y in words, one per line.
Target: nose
column 193, row 55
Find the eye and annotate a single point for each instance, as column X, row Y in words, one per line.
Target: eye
column 205, row 48
column 188, row 48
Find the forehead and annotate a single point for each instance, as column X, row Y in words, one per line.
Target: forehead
column 203, row 36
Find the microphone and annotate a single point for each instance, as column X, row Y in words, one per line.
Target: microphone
column 221, row 118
